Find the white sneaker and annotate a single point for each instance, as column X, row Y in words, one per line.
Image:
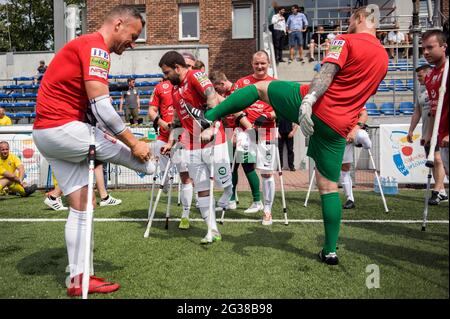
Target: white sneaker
column 231, row 205
column 254, row 208
column 267, row 219
column 55, row 204
column 111, row 201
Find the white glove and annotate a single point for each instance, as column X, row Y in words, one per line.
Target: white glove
column 304, row 115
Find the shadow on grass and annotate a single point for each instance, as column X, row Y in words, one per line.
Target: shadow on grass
column 54, row 262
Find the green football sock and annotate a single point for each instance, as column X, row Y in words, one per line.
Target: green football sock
column 234, row 178
column 331, row 211
column 253, row 180
column 236, row 102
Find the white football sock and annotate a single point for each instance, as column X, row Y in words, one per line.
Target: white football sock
column 186, row 198
column 75, row 233
column 346, row 181
column 203, row 205
column 269, row 193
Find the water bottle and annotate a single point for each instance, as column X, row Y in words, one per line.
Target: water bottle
column 151, row 135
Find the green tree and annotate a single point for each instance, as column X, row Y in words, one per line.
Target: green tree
column 30, row 24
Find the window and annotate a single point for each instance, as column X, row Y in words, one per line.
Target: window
column 242, row 17
column 189, row 22
column 143, row 36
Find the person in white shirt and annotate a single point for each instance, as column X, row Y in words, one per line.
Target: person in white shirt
column 279, row 32
column 395, row 37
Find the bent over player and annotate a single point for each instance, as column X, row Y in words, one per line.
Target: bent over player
column 78, row 77
column 350, row 74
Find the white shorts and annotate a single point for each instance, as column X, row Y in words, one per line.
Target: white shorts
column 267, row 156
column 66, row 147
column 348, row 153
column 199, row 163
column 445, row 157
column 155, row 148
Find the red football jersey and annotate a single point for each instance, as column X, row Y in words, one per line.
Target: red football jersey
column 191, row 91
column 62, row 95
column 229, row 120
column 433, row 83
column 162, row 100
column 363, row 63
column 259, row 107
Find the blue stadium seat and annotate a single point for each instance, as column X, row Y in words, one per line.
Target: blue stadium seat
column 6, row 104
column 4, row 96
column 143, row 112
column 406, row 108
column 115, row 93
column 146, row 92
column 383, row 87
column 387, row 108
column 145, row 101
column 410, row 84
column 23, row 78
column 146, row 83
column 372, row 109
column 116, row 102
column 399, row 86
column 24, row 95
column 20, row 86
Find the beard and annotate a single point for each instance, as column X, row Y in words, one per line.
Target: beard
column 175, row 80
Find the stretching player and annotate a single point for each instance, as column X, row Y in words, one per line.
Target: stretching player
column 77, row 77
column 346, row 179
column 351, row 73
column 193, row 90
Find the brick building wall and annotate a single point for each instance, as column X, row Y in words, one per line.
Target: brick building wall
column 444, row 8
column 229, row 55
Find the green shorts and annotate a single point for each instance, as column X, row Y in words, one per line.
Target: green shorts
column 327, row 148
column 285, row 99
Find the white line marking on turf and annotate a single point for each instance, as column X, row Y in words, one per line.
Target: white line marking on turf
column 370, row 221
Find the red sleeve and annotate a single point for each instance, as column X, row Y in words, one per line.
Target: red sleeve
column 236, row 85
column 267, row 111
column 155, row 99
column 200, row 82
column 304, row 89
column 95, row 61
column 338, row 52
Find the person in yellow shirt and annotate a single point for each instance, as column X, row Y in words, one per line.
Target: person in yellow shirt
column 4, row 119
column 12, row 173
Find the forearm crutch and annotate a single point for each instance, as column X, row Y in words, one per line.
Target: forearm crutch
column 161, row 186
column 433, row 141
column 152, row 191
column 311, row 182
column 211, row 183
column 378, row 181
column 169, row 198
column 88, row 254
column 283, row 198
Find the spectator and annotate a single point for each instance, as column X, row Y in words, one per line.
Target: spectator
column 279, row 32
column 296, row 24
column 222, row 85
column 422, row 110
column 132, row 103
column 12, row 173
column 395, row 38
column 287, row 131
column 326, row 47
column 4, row 119
column 317, row 39
column 41, row 70
column 199, row 65
column 334, row 34
column 308, row 30
column 270, row 14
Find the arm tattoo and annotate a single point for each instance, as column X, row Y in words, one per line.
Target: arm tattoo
column 322, row 81
column 211, row 98
column 176, row 120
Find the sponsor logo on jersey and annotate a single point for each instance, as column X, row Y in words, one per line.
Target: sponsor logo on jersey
column 99, row 62
column 99, row 53
column 165, row 86
column 246, row 81
column 205, row 83
column 201, row 76
column 100, row 72
column 336, row 49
